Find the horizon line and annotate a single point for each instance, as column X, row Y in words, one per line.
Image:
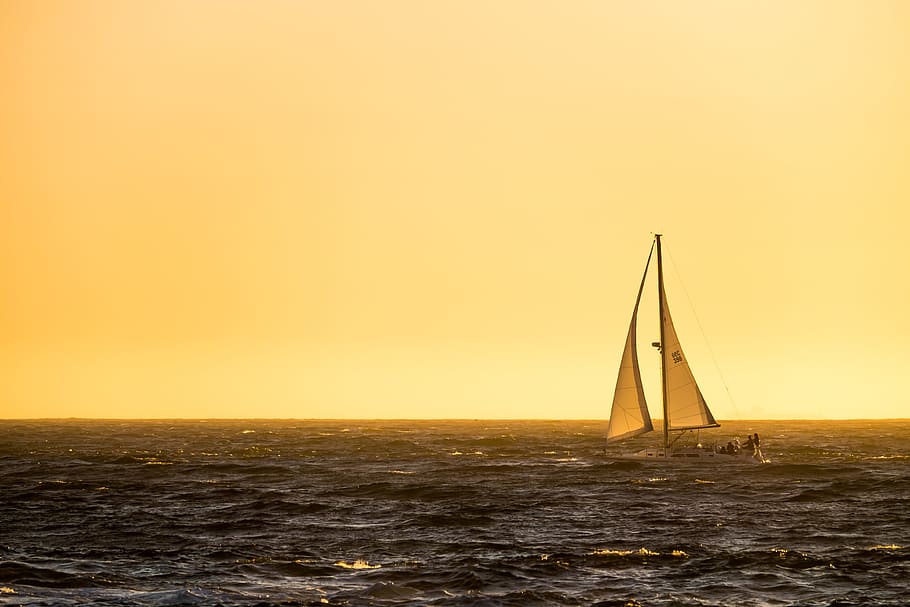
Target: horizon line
column 432, row 419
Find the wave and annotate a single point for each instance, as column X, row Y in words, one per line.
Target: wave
column 15, row 573
column 442, row 520
column 417, row 491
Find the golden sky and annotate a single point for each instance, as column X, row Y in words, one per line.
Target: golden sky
column 400, row 208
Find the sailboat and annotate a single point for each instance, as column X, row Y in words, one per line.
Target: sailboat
column 684, row 407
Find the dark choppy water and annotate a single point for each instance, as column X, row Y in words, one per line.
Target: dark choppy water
column 445, row 513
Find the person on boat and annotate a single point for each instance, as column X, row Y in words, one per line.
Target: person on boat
column 731, row 449
column 750, row 445
column 757, row 443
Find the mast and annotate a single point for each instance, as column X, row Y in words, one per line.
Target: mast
column 663, row 351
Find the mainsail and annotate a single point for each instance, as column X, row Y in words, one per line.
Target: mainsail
column 686, row 408
column 629, row 416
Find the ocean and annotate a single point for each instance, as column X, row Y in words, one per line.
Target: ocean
column 525, row 513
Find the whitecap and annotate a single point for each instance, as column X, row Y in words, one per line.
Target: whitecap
column 358, row 564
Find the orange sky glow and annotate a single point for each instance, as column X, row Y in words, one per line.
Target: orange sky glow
column 410, row 209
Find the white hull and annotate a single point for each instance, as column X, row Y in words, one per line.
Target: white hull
column 691, row 455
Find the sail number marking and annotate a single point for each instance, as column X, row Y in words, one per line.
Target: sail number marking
column 677, row 357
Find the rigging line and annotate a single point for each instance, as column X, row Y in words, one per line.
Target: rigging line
column 703, row 334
